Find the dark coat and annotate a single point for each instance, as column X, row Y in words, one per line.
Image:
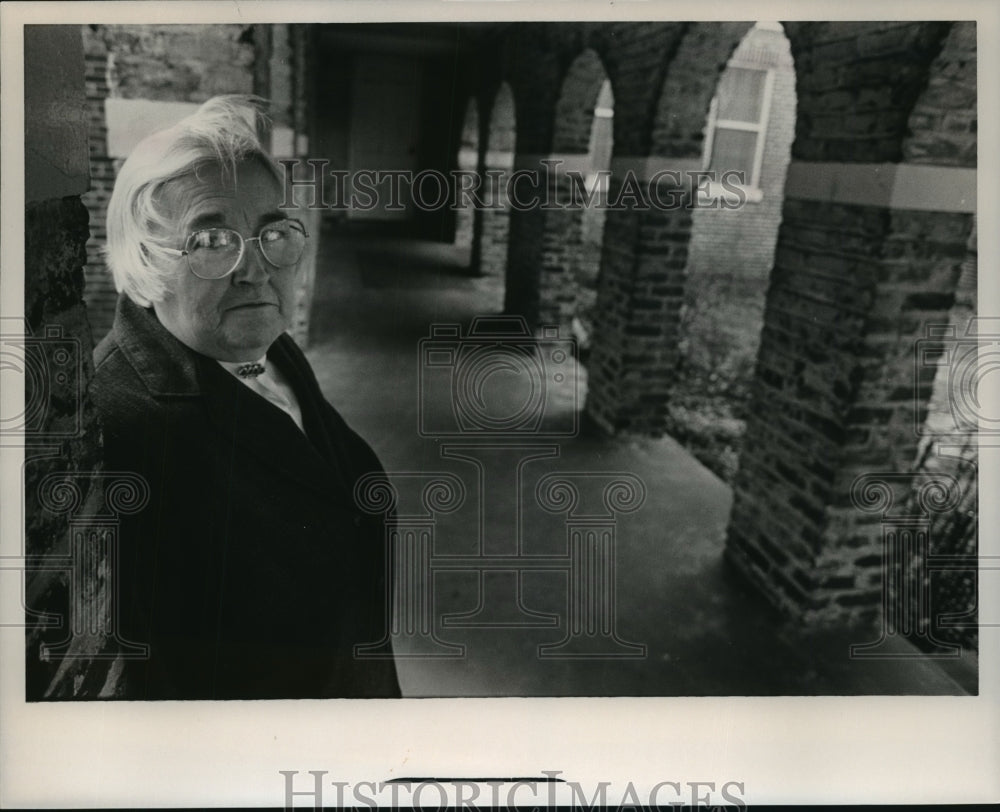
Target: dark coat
column 251, row 573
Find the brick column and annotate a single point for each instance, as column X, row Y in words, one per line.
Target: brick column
column 496, row 221
column 99, row 292
column 639, row 299
column 465, row 214
column 562, row 240
column 839, row 390
column 634, row 347
column 524, row 259
column 834, row 394
column 468, row 162
column 879, row 207
column 495, row 225
column 288, row 61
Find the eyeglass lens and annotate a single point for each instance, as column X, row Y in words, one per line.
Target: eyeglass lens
column 215, row 252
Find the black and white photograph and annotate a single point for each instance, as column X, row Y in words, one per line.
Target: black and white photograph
column 489, row 404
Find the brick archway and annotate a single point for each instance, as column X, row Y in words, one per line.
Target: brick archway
column 748, row 135
column 641, row 287
column 878, row 211
column 468, row 162
column 572, row 237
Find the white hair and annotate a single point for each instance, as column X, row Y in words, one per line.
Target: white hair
column 222, row 132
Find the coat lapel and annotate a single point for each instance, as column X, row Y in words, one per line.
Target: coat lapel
column 258, row 427
column 329, row 438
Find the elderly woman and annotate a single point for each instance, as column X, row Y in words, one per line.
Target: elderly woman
column 251, row 573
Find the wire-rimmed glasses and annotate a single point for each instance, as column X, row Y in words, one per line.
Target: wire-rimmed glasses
column 214, row 253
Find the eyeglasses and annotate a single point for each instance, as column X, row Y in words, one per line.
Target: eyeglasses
column 214, row 253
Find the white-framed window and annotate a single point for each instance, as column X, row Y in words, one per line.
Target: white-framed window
column 737, row 123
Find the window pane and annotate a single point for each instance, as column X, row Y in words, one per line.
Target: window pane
column 741, row 94
column 734, row 149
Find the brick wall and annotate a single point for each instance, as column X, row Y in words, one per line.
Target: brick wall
column 833, row 395
column 99, row 292
column 852, row 290
column 690, row 82
column 636, row 57
column 188, row 63
column 289, row 111
column 281, row 68
column 534, row 72
column 942, row 126
column 574, row 113
column 501, row 138
column 537, row 60
column 563, row 243
column 943, row 132
column 952, row 533
column 468, row 161
column 857, row 84
column 641, row 291
column 639, row 297
column 586, row 273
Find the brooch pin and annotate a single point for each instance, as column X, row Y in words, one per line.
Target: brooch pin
column 251, row 370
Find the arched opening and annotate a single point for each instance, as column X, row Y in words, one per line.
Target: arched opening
column 499, row 158
column 747, row 145
column 582, row 142
column 587, row 258
column 468, row 162
column 634, row 351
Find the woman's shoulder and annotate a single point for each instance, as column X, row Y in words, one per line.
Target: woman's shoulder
column 119, row 393
column 115, row 380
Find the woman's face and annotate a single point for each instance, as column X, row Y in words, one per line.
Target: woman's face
column 238, row 317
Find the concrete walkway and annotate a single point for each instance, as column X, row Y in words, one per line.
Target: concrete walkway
column 704, row 632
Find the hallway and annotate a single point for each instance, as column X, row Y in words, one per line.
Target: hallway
column 705, row 633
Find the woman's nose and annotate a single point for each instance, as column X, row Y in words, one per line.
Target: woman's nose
column 253, row 268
